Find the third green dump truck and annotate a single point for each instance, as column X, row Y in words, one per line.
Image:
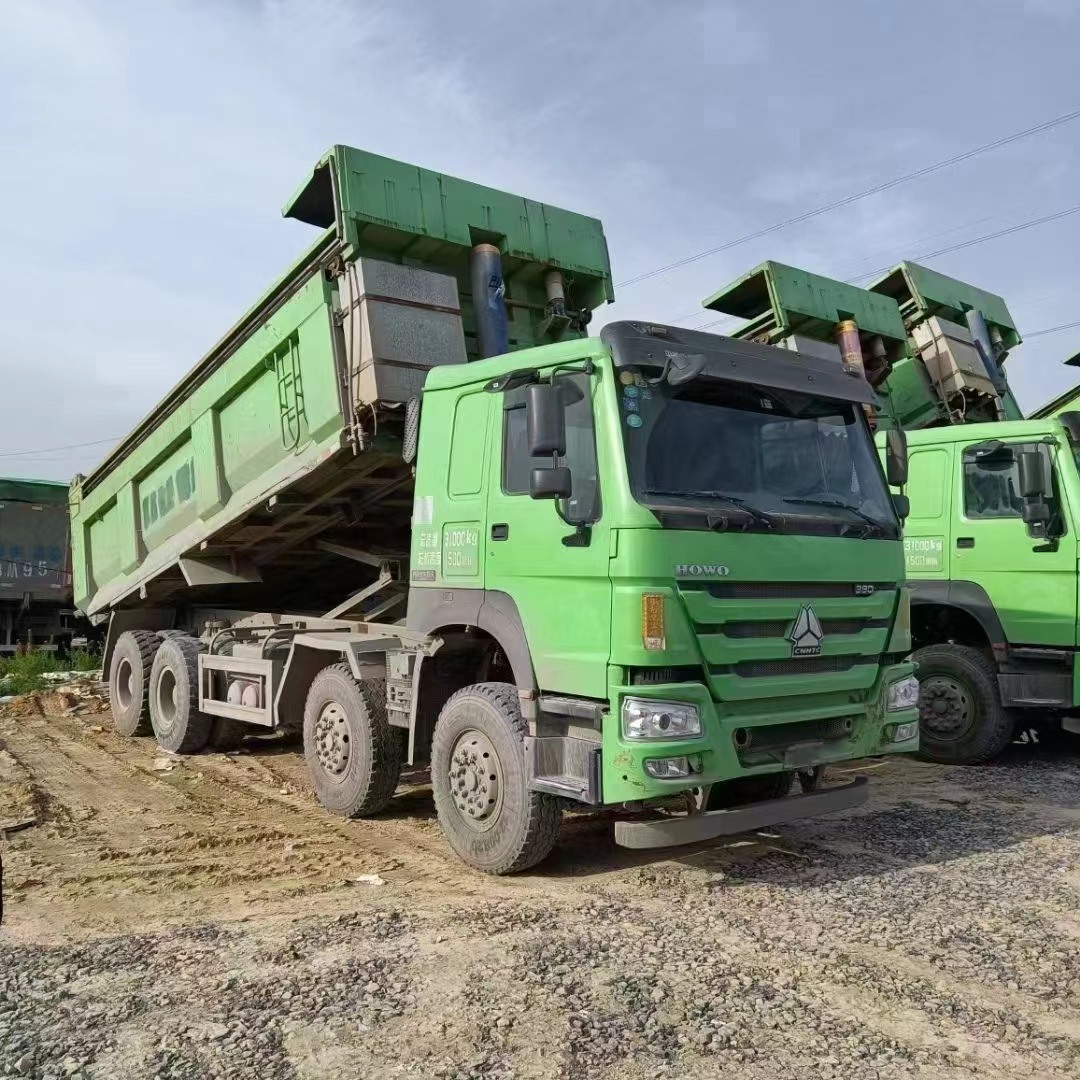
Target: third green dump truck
column 408, row 509
column 993, row 500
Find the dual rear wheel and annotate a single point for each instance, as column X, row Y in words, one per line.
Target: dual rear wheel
column 153, row 688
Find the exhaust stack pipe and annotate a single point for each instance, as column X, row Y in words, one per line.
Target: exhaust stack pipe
column 846, row 336
column 980, row 334
column 489, row 300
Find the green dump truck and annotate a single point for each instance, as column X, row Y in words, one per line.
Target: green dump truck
column 990, row 538
column 408, row 509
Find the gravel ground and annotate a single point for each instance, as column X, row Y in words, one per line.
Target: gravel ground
column 210, row 921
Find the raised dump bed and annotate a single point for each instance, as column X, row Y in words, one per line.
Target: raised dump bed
column 281, row 449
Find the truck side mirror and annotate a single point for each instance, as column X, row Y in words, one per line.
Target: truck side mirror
column 896, row 457
column 1034, row 475
column 902, row 506
column 550, row 483
column 545, row 411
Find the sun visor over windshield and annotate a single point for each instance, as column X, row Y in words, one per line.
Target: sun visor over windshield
column 676, row 354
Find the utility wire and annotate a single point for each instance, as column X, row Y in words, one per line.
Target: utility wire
column 52, row 449
column 978, row 240
column 962, row 245
column 1052, row 329
column 847, row 200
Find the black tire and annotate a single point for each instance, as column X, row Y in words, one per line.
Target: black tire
column 961, row 718
column 353, row 754
column 746, row 789
column 129, row 681
column 522, row 826
column 174, row 697
column 227, row 734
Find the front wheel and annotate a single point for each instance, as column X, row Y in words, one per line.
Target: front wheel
column 486, row 810
column 961, row 718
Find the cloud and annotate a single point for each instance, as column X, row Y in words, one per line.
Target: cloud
column 148, row 147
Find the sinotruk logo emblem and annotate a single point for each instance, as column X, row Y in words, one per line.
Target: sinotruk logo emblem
column 806, row 634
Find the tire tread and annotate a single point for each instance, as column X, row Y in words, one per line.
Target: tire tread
column 544, row 815
column 148, row 643
column 996, row 725
column 387, row 744
column 198, row 727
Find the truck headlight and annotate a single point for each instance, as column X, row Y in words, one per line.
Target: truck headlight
column 903, row 695
column 646, row 719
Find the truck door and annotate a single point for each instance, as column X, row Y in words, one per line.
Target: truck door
column 926, row 531
column 556, row 572
column 1032, row 588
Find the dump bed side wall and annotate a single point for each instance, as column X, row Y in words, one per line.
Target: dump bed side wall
column 271, row 412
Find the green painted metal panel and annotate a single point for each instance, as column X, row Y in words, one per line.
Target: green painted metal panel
column 389, row 210
column 780, row 300
column 387, row 206
column 922, row 293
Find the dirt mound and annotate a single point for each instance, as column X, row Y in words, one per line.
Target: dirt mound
column 80, row 696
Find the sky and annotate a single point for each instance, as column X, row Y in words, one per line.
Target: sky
column 146, row 151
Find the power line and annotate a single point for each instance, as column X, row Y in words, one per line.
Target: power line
column 1052, row 329
column 962, row 245
column 53, row 449
column 847, row 200
column 979, row 240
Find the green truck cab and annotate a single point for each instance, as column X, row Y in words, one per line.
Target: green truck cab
column 409, row 509
column 991, row 550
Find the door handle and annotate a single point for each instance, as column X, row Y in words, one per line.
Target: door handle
column 500, row 531
column 965, row 541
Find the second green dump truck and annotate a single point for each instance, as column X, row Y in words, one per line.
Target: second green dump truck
column 407, row 508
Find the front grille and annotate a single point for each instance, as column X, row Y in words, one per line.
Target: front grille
column 810, row 665
column 783, row 590
column 751, row 628
column 782, row 735
column 655, row 676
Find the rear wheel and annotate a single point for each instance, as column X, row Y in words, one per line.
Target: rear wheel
column 745, row 789
column 961, row 718
column 129, row 681
column 353, row 754
column 486, row 810
column 174, row 697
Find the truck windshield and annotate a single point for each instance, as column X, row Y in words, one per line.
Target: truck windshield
column 752, row 458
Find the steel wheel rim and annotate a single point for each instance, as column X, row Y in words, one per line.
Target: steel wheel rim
column 166, row 699
column 125, row 676
column 946, row 707
column 476, row 780
column 333, row 741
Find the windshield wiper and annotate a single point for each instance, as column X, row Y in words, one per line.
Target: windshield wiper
column 720, row 496
column 840, row 504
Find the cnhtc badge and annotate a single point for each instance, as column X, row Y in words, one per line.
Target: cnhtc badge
column 806, row 634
